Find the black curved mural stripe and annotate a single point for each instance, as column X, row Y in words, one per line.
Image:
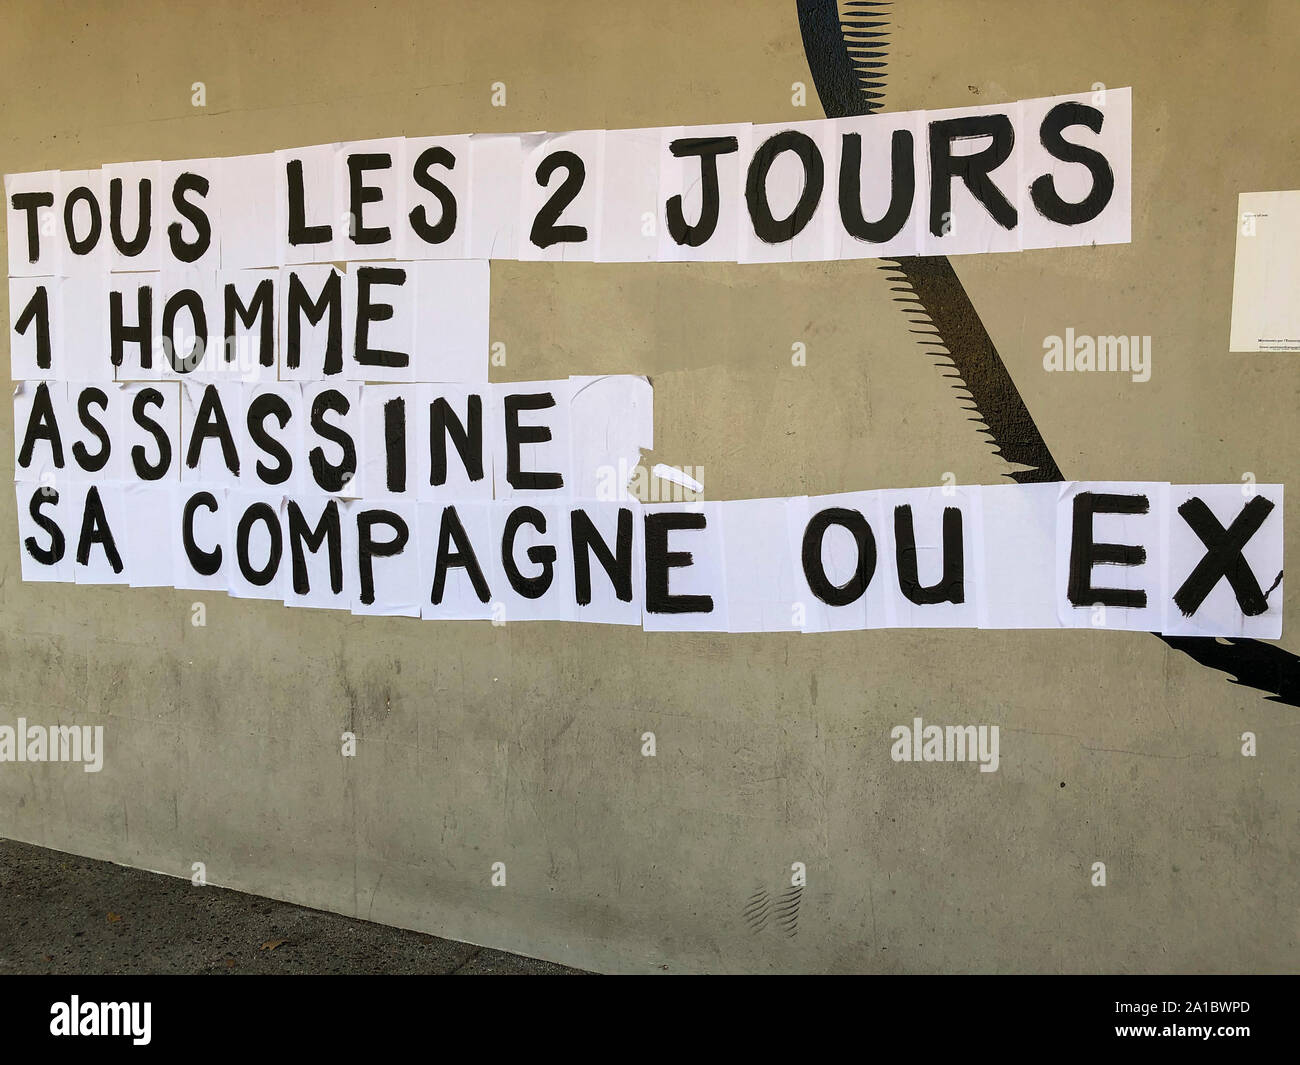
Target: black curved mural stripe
column 845, row 84
column 939, row 305
column 847, row 55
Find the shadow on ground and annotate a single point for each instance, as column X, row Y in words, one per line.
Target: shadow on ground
column 61, row 914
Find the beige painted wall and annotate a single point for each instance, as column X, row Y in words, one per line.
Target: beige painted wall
column 521, row 744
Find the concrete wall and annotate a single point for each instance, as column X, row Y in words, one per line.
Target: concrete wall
column 521, row 744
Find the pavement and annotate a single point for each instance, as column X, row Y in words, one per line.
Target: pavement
column 62, row 914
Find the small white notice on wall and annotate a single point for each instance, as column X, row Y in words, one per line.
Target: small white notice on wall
column 1266, row 282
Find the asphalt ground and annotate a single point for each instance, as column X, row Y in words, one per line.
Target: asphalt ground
column 65, row 915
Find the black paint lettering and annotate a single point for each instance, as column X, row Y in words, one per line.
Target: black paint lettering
column 259, row 309
column 191, row 251
column 87, row 244
column 95, row 530
column 301, row 305
column 360, row 194
column 32, row 202
column 443, row 425
column 659, row 560
column 42, row 424
column 773, row 230
column 517, row 435
column 814, row 571
column 1043, row 190
column 38, row 311
column 542, row 555
column 300, row 534
column 617, row 564
column 902, row 188
column 545, row 232
column 951, row 587
column 395, row 444
column 264, row 513
column 1223, row 557
column 210, row 422
column 463, row 557
column 446, row 225
column 96, row 462
column 144, row 222
column 707, row 149
column 204, row 563
column 147, row 397
column 274, row 404
column 329, row 476
column 189, row 300
column 368, row 312
column 368, row 548
column 52, row 555
column 299, row 232
column 1084, row 553
column 973, row 169
column 141, row 333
